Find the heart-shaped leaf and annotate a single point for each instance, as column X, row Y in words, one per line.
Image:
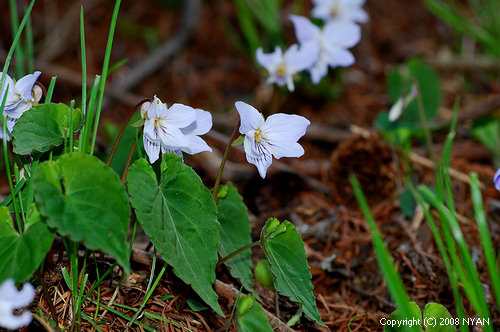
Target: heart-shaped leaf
column 235, row 233
column 43, row 127
column 180, row 217
column 285, row 252
column 84, row 199
column 21, row 255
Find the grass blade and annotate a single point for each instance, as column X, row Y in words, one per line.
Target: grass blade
column 394, row 282
column 484, row 233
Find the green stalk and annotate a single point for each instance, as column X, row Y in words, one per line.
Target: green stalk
column 87, row 127
column 31, row 188
column 444, row 255
column 71, row 134
column 84, row 63
column 105, row 66
column 29, row 47
column 50, row 90
column 148, row 295
column 14, row 24
column 14, row 45
column 393, row 279
column 484, row 233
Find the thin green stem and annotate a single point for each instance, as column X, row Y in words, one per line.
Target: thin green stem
column 84, row 63
column 14, row 23
column 50, row 90
column 7, row 168
column 238, row 251
column 89, row 117
column 148, row 295
column 14, row 45
column 223, row 163
column 71, row 134
column 105, row 66
column 427, row 133
column 29, row 47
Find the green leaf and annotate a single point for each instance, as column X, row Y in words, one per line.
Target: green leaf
column 250, row 316
column 84, row 199
column 407, row 204
column 438, row 314
column 235, row 233
column 180, row 217
column 397, row 316
column 284, row 249
column 43, row 127
column 21, row 255
column 196, row 305
column 429, row 87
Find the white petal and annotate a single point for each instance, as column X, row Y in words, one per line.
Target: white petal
column 196, row 145
column 284, row 127
column 357, row 14
column 318, row 71
column 305, row 30
column 250, row 118
column 17, row 111
column 8, row 83
column 152, row 149
column 396, row 110
column 342, row 33
column 156, row 109
column 172, row 136
column 322, row 10
column 287, row 149
column 201, row 126
column 180, row 116
column 150, row 131
column 340, row 57
column 169, row 149
column 303, row 58
column 250, row 146
column 25, row 85
column 262, row 163
column 13, row 322
column 269, row 60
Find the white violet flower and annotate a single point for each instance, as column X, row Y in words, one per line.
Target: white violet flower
column 174, row 129
column 277, row 136
column 331, row 43
column 21, row 96
column 11, row 299
column 281, row 67
column 402, row 103
column 340, row 10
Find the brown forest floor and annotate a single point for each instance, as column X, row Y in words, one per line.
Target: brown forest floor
column 210, row 73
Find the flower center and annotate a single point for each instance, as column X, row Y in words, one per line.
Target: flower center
column 281, row 70
column 156, row 121
column 335, row 10
column 257, row 135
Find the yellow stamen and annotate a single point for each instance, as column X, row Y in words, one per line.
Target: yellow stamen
column 156, row 123
column 257, row 134
column 335, row 10
column 281, row 70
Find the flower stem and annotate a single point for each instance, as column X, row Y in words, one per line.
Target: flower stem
column 118, row 139
column 129, row 159
column 7, row 169
column 238, row 251
column 223, row 163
